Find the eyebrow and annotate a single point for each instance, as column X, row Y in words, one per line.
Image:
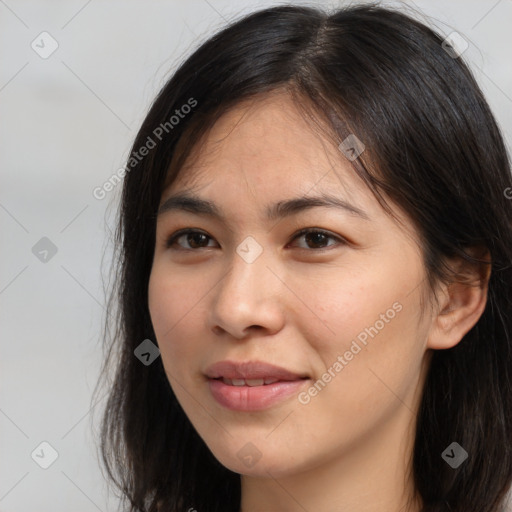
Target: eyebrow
column 279, row 210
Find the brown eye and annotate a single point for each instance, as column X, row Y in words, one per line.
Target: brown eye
column 195, row 239
column 317, row 237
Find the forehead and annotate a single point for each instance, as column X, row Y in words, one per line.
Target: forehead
column 267, row 144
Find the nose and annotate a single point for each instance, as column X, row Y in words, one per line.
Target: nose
column 249, row 297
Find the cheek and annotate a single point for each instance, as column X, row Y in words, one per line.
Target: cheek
column 173, row 310
column 345, row 306
column 369, row 319
column 380, row 361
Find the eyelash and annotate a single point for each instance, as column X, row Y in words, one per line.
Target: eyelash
column 172, row 238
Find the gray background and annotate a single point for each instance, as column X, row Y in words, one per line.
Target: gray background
column 67, row 123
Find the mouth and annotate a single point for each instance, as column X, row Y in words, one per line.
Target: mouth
column 251, row 395
column 251, row 373
column 251, row 386
column 254, row 382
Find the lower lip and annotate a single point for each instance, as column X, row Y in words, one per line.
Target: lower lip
column 253, row 398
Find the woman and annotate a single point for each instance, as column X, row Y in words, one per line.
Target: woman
column 314, row 232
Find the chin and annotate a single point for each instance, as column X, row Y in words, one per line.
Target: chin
column 250, row 462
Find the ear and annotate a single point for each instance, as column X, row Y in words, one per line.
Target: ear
column 462, row 302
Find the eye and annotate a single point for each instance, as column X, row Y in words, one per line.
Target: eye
column 318, row 237
column 194, row 237
column 197, row 239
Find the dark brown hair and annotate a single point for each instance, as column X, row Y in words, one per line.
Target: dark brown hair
column 432, row 146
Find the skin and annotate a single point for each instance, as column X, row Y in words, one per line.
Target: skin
column 298, row 306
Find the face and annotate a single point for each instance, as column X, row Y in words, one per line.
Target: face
column 338, row 306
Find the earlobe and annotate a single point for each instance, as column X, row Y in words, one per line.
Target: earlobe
column 461, row 304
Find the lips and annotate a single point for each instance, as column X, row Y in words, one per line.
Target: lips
column 252, row 385
column 251, row 373
column 249, row 382
column 254, row 398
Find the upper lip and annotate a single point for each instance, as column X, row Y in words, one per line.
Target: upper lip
column 250, row 370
